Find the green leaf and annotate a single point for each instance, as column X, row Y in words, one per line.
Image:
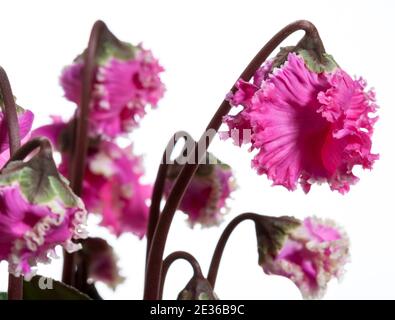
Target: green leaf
column 42, row 288
column 3, row 296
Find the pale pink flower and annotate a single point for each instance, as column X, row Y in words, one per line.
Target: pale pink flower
column 305, row 126
column 311, row 255
column 122, row 89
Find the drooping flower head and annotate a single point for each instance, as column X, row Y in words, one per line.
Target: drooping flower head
column 111, row 186
column 307, row 122
column 101, row 262
column 38, row 211
column 125, row 82
column 205, row 198
column 25, row 121
column 310, row 252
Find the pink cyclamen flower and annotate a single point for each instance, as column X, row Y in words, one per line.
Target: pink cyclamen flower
column 38, row 211
column 205, row 198
column 311, row 255
column 111, row 186
column 122, row 89
column 305, row 126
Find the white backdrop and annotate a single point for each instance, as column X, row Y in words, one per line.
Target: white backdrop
column 204, row 45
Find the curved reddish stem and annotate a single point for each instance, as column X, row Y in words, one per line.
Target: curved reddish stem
column 154, row 266
column 82, row 120
column 37, row 143
column 219, row 249
column 15, row 284
column 159, row 185
column 197, row 271
column 80, row 144
column 11, row 115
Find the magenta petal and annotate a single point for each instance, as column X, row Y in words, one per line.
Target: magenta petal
column 51, row 131
column 70, row 80
column 25, row 121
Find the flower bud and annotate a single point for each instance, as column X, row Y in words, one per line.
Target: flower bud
column 198, row 288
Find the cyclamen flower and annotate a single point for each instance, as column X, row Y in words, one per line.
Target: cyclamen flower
column 311, row 255
column 112, row 188
column 305, row 126
column 205, row 198
column 123, row 86
column 101, row 261
column 38, row 211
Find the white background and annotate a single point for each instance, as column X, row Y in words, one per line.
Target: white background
column 204, row 46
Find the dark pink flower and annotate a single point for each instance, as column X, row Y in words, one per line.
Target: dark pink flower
column 311, row 255
column 122, row 89
column 205, row 198
column 305, row 126
column 101, row 262
column 38, row 211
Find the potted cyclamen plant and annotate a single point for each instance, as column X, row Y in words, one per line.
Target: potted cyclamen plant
column 306, row 120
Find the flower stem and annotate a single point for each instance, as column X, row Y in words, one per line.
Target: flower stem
column 219, row 249
column 15, row 284
column 154, row 265
column 197, row 272
column 11, row 115
column 80, row 145
column 160, row 180
column 42, row 143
